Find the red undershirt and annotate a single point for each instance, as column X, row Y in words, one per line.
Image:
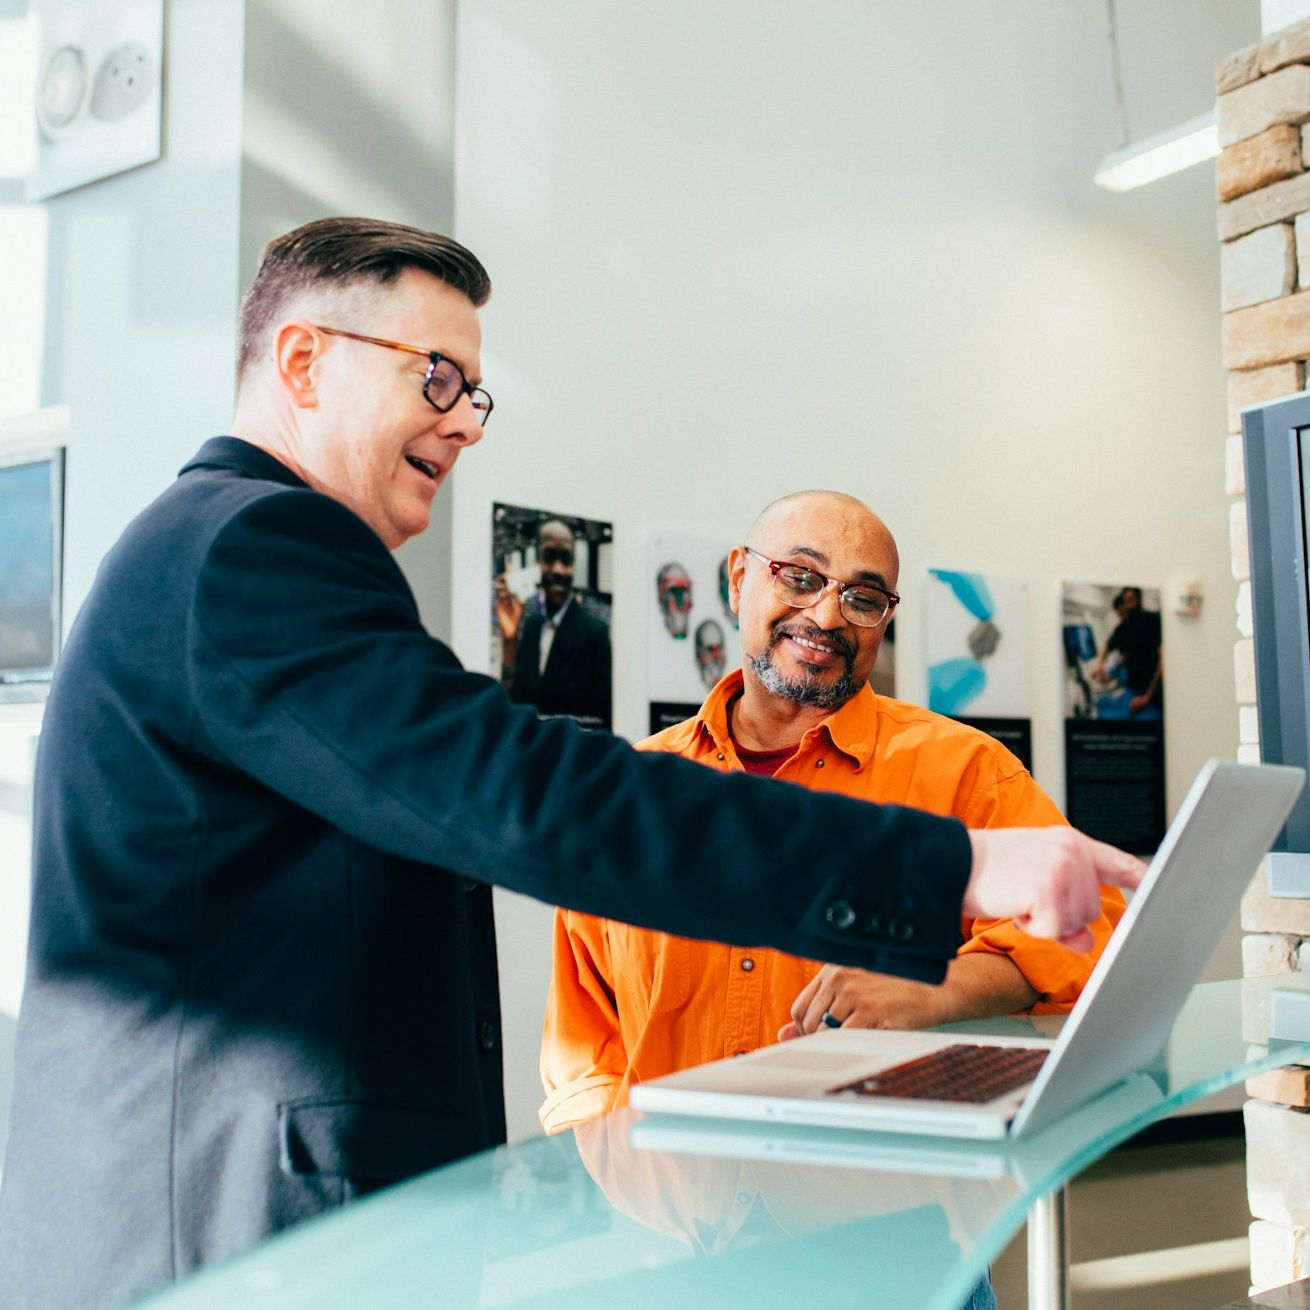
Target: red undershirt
column 764, row 762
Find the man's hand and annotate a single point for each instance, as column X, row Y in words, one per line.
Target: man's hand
column 509, row 610
column 1048, row 880
column 979, row 985
column 863, row 1000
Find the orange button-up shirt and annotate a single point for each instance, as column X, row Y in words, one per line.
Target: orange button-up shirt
column 628, row 1004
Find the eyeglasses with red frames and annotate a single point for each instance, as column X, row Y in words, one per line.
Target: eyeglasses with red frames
column 443, row 383
column 862, row 603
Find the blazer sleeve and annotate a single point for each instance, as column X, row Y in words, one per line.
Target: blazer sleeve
column 311, row 672
column 583, row 1059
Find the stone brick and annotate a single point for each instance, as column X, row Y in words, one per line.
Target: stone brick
column 1248, row 725
column 1279, row 1255
column 1259, row 266
column 1245, row 620
column 1273, row 333
column 1244, row 672
column 1301, row 227
column 1255, row 1012
column 1258, row 386
column 1289, row 45
column 1238, row 544
column 1278, row 203
column 1268, row 953
column 1305, row 144
column 1290, row 1086
column 1278, row 1163
column 1237, row 69
column 1234, row 466
column 1264, row 913
column 1281, row 97
column 1258, row 161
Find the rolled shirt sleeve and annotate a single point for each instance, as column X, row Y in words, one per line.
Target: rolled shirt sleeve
column 1058, row 975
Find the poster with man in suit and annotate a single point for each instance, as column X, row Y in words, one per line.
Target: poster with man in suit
column 551, row 612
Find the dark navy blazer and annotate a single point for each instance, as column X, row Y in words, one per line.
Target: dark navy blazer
column 269, row 809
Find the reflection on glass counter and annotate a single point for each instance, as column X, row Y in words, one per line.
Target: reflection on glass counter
column 636, row 1212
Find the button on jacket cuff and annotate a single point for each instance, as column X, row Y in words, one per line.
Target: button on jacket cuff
column 912, row 925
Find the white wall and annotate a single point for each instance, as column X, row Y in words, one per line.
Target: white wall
column 141, row 297
column 22, row 227
column 1277, row 14
column 344, row 117
column 739, row 251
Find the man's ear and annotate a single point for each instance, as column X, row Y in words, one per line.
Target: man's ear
column 736, row 571
column 297, row 350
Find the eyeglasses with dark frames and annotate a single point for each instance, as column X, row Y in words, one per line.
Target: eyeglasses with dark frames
column 443, row 383
column 863, row 603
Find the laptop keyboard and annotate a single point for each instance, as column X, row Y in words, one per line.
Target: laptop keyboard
column 971, row 1075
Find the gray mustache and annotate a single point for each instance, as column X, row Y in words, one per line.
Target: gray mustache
column 814, row 634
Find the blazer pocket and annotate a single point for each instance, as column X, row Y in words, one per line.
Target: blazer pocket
column 347, row 1137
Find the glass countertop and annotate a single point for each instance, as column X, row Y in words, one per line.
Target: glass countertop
column 635, row 1211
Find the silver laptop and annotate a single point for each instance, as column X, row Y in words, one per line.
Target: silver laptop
column 1028, row 1159
column 991, row 1087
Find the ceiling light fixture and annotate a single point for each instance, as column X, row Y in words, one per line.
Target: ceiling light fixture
column 1157, row 156
column 1135, row 163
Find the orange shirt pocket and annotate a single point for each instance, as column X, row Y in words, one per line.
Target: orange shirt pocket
column 649, row 965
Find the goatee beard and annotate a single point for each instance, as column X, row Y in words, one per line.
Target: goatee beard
column 807, row 689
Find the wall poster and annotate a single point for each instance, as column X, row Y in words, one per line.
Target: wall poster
column 550, row 611
column 692, row 630
column 1114, row 713
column 976, row 649
column 883, row 677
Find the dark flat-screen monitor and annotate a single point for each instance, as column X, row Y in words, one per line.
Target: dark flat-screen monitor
column 1276, row 438
column 31, row 565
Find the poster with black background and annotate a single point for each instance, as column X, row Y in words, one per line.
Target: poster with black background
column 550, row 611
column 1114, row 713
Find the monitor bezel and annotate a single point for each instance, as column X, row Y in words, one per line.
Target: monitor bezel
column 19, row 685
column 1272, row 438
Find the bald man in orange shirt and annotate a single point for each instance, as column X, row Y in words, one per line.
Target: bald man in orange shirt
column 814, row 587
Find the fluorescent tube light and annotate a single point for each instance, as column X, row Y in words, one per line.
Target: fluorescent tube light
column 1157, row 156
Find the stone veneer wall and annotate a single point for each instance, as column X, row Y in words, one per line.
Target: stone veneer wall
column 1263, row 177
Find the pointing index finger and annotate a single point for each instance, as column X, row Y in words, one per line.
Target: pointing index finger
column 1114, row 866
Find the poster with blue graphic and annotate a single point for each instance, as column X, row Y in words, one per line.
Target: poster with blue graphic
column 976, row 650
column 1112, row 646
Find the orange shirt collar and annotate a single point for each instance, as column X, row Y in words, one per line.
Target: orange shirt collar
column 853, row 729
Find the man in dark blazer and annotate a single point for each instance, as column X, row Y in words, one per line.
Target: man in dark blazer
column 270, row 808
column 561, row 653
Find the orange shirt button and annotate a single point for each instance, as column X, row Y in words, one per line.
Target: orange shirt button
column 747, row 964
column 818, row 764
column 721, row 755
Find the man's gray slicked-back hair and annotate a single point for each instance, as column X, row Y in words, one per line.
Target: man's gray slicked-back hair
column 345, row 252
